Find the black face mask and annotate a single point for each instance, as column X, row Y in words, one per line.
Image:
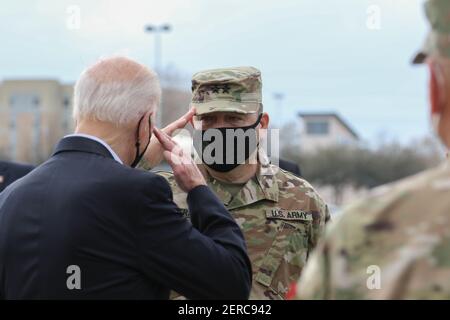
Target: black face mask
column 230, row 152
column 138, row 156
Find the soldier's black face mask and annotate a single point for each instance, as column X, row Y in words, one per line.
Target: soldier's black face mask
column 223, row 149
column 138, row 156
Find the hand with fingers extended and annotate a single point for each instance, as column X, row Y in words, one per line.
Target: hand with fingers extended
column 186, row 173
column 154, row 154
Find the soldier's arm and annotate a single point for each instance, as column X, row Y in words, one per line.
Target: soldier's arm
column 306, row 235
column 314, row 281
column 321, row 216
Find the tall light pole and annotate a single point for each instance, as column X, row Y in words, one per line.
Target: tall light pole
column 157, row 31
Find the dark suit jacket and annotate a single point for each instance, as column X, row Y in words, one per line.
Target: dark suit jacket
column 120, row 227
column 10, row 172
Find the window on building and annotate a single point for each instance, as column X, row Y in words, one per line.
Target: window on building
column 317, row 127
column 24, row 101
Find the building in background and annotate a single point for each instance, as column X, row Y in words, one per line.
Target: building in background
column 322, row 130
column 35, row 114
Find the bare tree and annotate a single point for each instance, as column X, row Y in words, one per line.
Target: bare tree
column 363, row 167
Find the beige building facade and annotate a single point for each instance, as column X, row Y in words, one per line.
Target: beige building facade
column 34, row 114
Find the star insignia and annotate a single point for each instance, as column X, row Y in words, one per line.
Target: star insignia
column 225, row 88
column 215, row 89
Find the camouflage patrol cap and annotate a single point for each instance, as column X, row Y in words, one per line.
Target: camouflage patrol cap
column 229, row 89
column 438, row 40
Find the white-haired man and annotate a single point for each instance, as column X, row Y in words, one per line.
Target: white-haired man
column 85, row 224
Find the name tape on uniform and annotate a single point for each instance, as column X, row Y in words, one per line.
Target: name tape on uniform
column 293, row 215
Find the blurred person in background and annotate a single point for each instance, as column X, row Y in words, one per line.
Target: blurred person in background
column 290, row 166
column 395, row 244
column 11, row 171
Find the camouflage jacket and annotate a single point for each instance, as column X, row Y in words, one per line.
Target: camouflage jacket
column 281, row 216
column 393, row 245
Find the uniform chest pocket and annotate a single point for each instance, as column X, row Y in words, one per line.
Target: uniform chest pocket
column 285, row 258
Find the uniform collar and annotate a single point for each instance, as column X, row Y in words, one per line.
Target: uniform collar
column 263, row 186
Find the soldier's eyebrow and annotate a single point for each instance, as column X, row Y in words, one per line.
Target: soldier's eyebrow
column 236, row 115
column 203, row 116
column 209, row 119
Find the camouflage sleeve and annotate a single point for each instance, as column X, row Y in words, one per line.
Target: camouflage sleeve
column 321, row 217
column 313, row 282
column 304, row 239
column 316, row 279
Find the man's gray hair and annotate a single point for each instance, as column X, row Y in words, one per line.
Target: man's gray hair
column 116, row 90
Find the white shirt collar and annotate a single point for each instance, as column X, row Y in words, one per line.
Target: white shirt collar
column 88, row 136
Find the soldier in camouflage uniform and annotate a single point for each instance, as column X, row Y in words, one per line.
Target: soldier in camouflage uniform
column 281, row 215
column 396, row 243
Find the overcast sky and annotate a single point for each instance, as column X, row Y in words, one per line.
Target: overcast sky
column 321, row 55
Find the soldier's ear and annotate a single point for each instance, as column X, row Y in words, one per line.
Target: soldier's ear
column 264, row 120
column 439, row 103
column 434, row 90
column 438, row 92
